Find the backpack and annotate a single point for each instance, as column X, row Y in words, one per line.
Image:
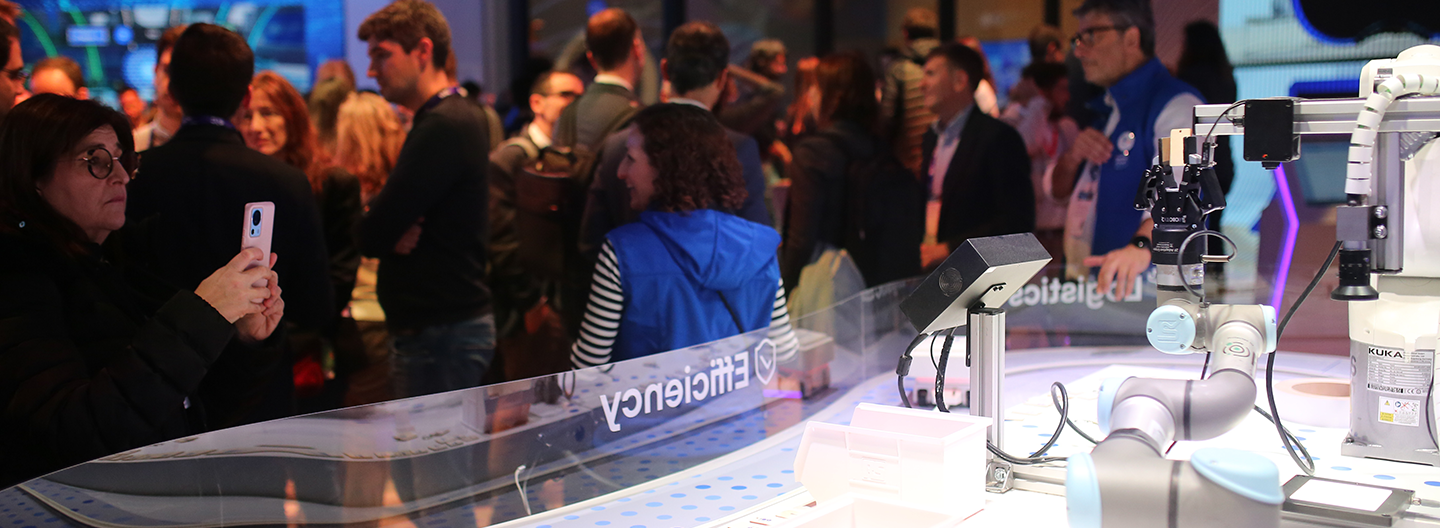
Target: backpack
column 885, row 215
column 550, row 199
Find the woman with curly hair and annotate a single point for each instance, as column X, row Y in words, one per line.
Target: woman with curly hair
column 702, row 274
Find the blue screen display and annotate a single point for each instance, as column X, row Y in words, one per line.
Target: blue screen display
column 114, row 40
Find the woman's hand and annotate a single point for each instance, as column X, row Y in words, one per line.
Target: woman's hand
column 257, row 327
column 231, row 289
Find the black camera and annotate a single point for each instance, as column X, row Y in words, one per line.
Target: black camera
column 255, row 217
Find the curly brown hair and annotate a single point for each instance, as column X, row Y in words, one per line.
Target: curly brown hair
column 695, row 164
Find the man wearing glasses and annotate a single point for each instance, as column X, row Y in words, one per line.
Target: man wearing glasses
column 12, row 78
column 1102, row 171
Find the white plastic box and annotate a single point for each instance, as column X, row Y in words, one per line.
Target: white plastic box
column 851, row 511
column 926, row 459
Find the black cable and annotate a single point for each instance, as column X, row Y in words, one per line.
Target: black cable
column 1206, row 367
column 1180, row 268
column 1022, row 461
column 1059, row 427
column 1430, row 398
column 940, row 371
column 1064, row 409
column 902, row 368
column 1308, row 464
column 1232, row 106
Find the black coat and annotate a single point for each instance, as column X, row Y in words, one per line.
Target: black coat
column 340, row 213
column 987, row 189
column 88, row 367
column 190, row 195
column 816, row 210
column 193, row 190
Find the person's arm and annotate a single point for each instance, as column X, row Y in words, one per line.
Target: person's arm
column 342, row 215
column 602, row 314
column 71, row 411
column 814, row 170
column 782, row 334
column 423, row 174
column 1122, row 265
column 1090, row 145
column 1178, row 113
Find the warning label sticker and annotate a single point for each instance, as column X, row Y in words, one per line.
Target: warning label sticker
column 1395, row 371
column 1400, row 412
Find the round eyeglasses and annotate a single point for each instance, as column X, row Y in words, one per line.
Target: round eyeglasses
column 99, row 161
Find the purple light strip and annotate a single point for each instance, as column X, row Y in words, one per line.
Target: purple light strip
column 1292, row 232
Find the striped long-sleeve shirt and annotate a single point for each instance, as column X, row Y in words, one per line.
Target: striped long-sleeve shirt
column 607, row 304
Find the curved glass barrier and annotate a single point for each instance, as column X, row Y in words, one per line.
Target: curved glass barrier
column 492, row 454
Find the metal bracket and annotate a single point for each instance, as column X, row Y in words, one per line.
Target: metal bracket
column 1359, row 223
column 999, row 476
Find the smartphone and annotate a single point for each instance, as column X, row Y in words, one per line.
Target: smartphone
column 259, row 225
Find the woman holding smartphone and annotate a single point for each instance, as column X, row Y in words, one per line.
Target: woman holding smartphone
column 88, row 366
column 277, row 124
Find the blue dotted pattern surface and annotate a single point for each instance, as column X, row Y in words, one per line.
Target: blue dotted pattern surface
column 703, row 497
column 19, row 510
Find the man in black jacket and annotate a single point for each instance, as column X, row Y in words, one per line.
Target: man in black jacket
column 189, row 200
column 428, row 225
column 695, row 64
column 977, row 166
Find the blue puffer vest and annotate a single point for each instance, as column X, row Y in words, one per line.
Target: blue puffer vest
column 673, row 269
column 1139, row 97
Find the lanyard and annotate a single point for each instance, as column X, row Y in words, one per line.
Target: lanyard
column 435, row 100
column 206, row 120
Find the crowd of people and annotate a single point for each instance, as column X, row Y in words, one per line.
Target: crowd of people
column 416, row 251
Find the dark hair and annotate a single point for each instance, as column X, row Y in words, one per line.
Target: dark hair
column 763, row 54
column 167, row 40
column 542, row 82
column 695, row 56
column 66, row 65
column 1203, row 47
column 610, row 37
column 336, row 69
column 33, row 139
column 324, row 105
column 1045, row 74
column 406, row 22
column 1126, row 14
column 7, row 31
column 961, row 57
column 473, row 89
column 920, row 23
column 694, row 161
column 847, row 90
column 1041, row 37
column 210, row 71
column 299, row 150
